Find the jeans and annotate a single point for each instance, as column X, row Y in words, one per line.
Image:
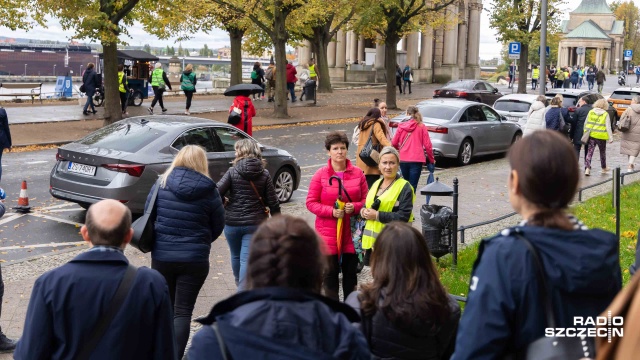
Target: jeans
column 411, row 172
column 637, row 78
column 534, row 84
column 184, row 280
column 580, row 82
column 291, row 87
column 271, row 89
column 157, row 97
column 189, row 95
column 349, row 266
column 407, row 82
column 591, row 147
column 239, row 238
column 600, row 88
column 1, row 151
column 590, row 85
column 90, row 94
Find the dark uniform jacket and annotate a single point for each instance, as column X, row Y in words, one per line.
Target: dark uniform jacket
column 577, row 127
column 5, row 133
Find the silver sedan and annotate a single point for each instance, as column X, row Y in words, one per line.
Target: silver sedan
column 464, row 129
column 515, row 107
column 123, row 160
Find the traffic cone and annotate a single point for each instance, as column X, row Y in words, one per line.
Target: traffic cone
column 23, row 199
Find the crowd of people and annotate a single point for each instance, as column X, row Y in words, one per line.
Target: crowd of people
column 564, row 77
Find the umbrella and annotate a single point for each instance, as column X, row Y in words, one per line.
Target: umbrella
column 242, row 89
column 339, row 204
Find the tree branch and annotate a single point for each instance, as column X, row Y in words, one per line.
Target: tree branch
column 124, row 11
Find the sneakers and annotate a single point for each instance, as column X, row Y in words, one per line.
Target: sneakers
column 631, row 168
column 164, row 110
column 187, row 112
column 94, row 112
column 6, row 344
column 587, row 172
column 85, row 113
column 605, row 170
column 150, row 110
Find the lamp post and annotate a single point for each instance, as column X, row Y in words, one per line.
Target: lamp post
column 80, row 70
column 543, row 47
column 25, row 69
column 54, row 69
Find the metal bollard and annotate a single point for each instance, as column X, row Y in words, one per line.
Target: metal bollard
column 616, row 198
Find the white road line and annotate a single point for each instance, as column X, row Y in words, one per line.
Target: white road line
column 56, row 219
column 267, row 138
column 11, row 217
column 313, row 166
column 302, row 190
column 36, row 162
column 58, row 206
column 64, row 210
column 305, row 134
column 76, row 243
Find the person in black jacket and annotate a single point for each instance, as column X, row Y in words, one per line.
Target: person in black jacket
column 158, row 80
column 399, row 78
column 251, row 197
column 258, row 72
column 90, row 82
column 190, row 216
column 5, row 135
column 406, row 312
column 585, row 104
column 282, row 314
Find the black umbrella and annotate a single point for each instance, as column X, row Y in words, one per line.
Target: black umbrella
column 243, row 89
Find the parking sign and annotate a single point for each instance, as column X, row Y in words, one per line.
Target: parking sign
column 628, row 55
column 514, row 50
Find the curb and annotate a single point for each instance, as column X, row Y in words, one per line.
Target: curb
column 52, row 143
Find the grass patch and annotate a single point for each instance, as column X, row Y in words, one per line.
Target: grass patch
column 595, row 213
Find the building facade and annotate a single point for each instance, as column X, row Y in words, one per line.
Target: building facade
column 593, row 26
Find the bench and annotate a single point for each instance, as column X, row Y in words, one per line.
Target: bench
column 35, row 90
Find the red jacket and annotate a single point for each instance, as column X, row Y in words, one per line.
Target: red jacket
column 322, row 197
column 291, row 74
column 239, row 103
column 415, row 146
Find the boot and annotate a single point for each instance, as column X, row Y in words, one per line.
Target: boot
column 6, row 344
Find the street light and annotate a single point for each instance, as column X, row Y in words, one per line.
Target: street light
column 80, row 70
column 54, row 69
column 543, row 47
column 25, row 69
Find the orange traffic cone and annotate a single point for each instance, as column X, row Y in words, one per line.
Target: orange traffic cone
column 23, row 199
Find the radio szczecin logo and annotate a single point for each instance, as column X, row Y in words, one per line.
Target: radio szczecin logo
column 607, row 327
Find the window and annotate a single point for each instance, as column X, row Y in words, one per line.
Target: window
column 228, row 137
column 512, row 105
column 623, row 95
column 489, row 87
column 489, row 114
column 474, row 113
column 438, row 112
column 128, row 137
column 480, row 87
column 201, row 137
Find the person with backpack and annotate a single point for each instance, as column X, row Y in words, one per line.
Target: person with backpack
column 591, row 77
column 257, row 78
column 159, row 81
column 407, row 77
column 243, row 104
column 188, row 82
column 123, row 88
column 637, row 74
column 270, row 77
column 574, row 78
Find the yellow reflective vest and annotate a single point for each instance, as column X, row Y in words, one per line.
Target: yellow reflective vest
column 156, row 78
column 535, row 74
column 312, row 71
column 120, row 82
column 598, row 126
column 387, row 201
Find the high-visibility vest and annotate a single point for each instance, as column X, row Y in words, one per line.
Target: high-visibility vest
column 120, row 82
column 598, row 126
column 536, row 74
column 156, row 78
column 387, row 201
column 312, row 71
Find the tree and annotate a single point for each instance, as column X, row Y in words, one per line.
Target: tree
column 519, row 20
column 14, row 14
column 629, row 13
column 147, row 48
column 102, row 20
column 391, row 20
column 180, row 50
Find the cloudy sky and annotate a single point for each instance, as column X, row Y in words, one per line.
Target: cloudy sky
column 489, row 47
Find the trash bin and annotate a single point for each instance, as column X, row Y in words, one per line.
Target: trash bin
column 437, row 228
column 310, row 90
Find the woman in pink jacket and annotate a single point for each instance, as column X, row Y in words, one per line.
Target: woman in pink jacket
column 320, row 201
column 413, row 143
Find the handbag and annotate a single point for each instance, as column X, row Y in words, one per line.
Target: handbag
column 552, row 348
column 625, row 122
column 83, row 89
column 585, row 137
column 235, row 116
column 357, row 224
column 143, row 228
column 266, row 208
column 410, row 77
column 370, row 154
column 564, row 126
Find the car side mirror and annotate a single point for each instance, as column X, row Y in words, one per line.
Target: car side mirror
column 503, row 118
column 495, row 91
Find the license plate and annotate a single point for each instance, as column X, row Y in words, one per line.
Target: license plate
column 81, row 169
column 512, row 118
column 623, row 106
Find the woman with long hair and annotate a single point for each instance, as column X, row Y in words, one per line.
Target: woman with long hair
column 372, row 126
column 630, row 144
column 257, row 78
column 248, row 188
column 338, row 180
column 413, row 142
column 188, row 82
column 190, row 217
column 598, row 125
column 505, row 309
column 406, row 312
column 282, row 314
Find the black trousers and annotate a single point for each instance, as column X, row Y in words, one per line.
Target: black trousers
column 349, row 268
column 184, row 281
column 123, row 101
column 157, row 97
column 189, row 95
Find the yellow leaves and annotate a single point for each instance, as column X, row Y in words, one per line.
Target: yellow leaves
column 628, row 234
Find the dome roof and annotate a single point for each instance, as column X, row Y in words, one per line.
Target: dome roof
column 593, row 7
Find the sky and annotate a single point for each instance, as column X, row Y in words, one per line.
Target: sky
column 489, row 47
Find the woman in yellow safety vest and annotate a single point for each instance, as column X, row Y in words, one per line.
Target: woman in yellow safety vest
column 598, row 125
column 390, row 199
column 123, row 87
column 313, row 74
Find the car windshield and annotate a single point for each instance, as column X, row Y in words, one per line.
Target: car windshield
column 623, row 95
column 129, row 137
column 440, row 112
column 512, row 105
column 457, row 84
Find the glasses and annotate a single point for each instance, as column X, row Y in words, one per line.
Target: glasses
column 376, row 204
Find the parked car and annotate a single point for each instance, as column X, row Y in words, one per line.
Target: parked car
column 620, row 98
column 463, row 129
column 570, row 100
column 515, row 107
column 123, row 160
column 472, row 90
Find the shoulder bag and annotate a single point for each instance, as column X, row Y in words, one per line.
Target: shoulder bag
column 550, row 348
column 625, row 122
column 585, row 137
column 370, row 153
column 112, row 310
column 143, row 228
column 266, row 208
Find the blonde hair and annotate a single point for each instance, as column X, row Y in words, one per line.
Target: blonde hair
column 247, row 149
column 602, row 104
column 390, row 150
column 556, row 101
column 414, row 113
column 191, row 157
column 189, row 67
column 559, row 96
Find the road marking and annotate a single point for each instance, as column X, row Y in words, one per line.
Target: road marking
column 302, row 190
column 11, row 217
column 57, row 219
column 312, row 166
column 306, row 134
column 75, row 243
column 36, row 162
column 267, row 138
column 58, row 206
column 64, row 210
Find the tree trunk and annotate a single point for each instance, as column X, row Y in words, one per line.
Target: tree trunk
column 112, row 109
column 390, row 54
column 279, row 38
column 522, row 68
column 235, row 36
column 320, row 43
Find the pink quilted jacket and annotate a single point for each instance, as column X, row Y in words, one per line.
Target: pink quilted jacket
column 322, row 197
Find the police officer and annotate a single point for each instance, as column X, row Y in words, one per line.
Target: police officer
column 158, row 80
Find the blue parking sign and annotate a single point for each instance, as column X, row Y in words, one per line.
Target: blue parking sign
column 514, row 50
column 628, row 54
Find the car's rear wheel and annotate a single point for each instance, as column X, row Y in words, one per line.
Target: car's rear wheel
column 136, row 98
column 283, row 183
column 466, row 152
column 516, row 138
